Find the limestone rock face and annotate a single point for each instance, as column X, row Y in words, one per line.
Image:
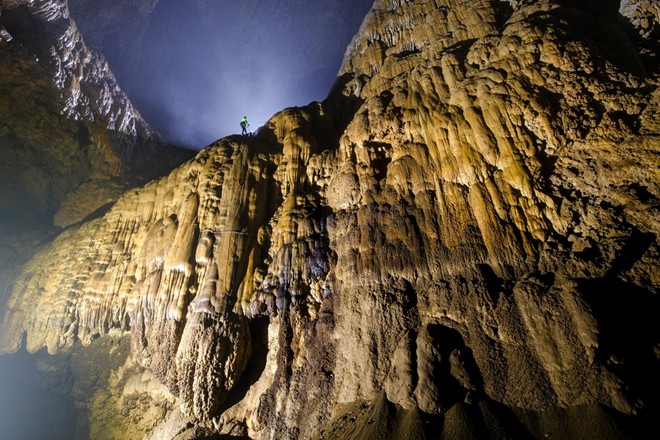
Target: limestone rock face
column 644, row 16
column 460, row 242
column 88, row 87
column 65, row 122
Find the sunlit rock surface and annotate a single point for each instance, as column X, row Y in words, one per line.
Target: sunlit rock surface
column 460, row 242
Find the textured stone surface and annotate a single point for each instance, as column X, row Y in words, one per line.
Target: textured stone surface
column 66, row 125
column 461, row 239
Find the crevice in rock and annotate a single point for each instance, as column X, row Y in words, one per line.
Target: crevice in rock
column 255, row 364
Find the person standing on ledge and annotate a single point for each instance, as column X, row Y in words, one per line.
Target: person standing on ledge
column 244, row 126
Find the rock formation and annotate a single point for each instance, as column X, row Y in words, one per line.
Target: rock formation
column 69, row 134
column 460, row 242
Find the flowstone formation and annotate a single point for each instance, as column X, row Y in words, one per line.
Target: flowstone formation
column 460, row 242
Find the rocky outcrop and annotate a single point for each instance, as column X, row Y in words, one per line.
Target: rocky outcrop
column 66, row 123
column 462, row 239
column 644, row 16
column 87, row 87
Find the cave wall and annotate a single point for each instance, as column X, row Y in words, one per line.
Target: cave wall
column 463, row 238
column 69, row 134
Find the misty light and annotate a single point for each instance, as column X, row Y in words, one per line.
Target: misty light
column 203, row 70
